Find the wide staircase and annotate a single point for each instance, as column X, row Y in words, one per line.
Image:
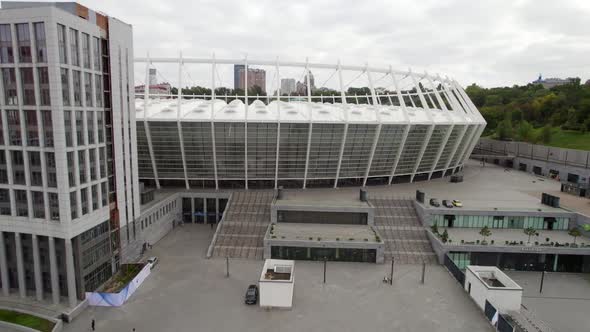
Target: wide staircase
column 404, row 236
column 245, row 220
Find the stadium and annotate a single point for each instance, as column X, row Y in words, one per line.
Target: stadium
column 425, row 129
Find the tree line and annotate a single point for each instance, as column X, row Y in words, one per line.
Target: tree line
column 530, row 112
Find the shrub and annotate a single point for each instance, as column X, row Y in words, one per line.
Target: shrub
column 536, row 243
column 477, row 241
column 445, row 236
column 337, row 239
column 462, row 241
column 546, row 239
column 366, row 240
column 492, row 241
column 351, row 239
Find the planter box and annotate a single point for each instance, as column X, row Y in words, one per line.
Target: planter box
column 118, row 299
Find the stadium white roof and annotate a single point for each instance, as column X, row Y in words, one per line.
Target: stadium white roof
column 200, row 110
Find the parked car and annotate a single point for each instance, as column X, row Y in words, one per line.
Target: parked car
column 251, row 295
column 457, row 203
column 434, row 202
column 446, row 203
column 153, row 261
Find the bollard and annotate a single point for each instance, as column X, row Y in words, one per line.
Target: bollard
column 423, row 272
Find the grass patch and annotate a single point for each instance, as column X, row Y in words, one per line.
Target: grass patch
column 27, row 320
column 122, row 278
column 570, row 139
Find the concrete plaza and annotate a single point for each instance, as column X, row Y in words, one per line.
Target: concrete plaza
column 564, row 304
column 187, row 292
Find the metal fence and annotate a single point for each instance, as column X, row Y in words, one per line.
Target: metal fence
column 566, row 157
column 455, row 270
column 504, row 325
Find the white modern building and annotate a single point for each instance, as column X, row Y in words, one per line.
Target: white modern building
column 427, row 129
column 488, row 283
column 69, row 192
column 276, row 283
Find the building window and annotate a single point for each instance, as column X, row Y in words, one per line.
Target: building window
column 50, row 169
column 22, row 207
column 90, row 126
column 27, row 86
column 88, row 101
column 3, row 168
column 6, row 54
column 44, row 97
column 103, row 191
column 71, row 178
column 35, row 169
column 97, row 56
column 9, row 80
column 65, row 87
column 84, row 200
column 53, row 206
column 32, row 127
column 86, row 50
column 100, row 126
column 98, row 90
column 61, row 43
column 73, row 205
column 4, row 202
column 68, row 128
column 38, row 205
column 18, row 167
column 94, row 193
column 74, row 50
column 82, row 166
column 23, row 38
column 47, row 124
column 77, row 81
column 103, row 165
column 40, row 41
column 79, row 127
column 92, row 162
column 14, row 133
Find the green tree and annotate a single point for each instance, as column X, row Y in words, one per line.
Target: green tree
column 545, row 134
column 485, row 232
column 530, row 231
column 444, row 236
column 574, row 232
column 504, row 130
column 525, row 131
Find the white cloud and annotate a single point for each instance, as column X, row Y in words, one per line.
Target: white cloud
column 493, row 43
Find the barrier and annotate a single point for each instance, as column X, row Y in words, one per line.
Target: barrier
column 118, row 299
column 455, row 270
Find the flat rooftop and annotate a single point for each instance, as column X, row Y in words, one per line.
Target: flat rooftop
column 324, row 232
column 336, row 198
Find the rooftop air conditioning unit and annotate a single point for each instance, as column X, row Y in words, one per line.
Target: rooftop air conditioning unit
column 282, row 269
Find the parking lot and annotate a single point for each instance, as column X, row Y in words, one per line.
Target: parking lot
column 187, row 292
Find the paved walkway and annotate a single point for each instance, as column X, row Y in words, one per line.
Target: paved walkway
column 187, row 292
column 565, row 302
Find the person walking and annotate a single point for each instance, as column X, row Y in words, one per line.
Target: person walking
column 92, row 324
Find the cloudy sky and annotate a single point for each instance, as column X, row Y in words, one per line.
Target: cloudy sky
column 492, row 43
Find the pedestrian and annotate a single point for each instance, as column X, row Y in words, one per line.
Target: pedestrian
column 92, row 324
column 211, row 225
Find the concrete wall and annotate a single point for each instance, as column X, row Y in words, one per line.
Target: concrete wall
column 504, row 299
column 150, row 232
column 563, row 160
column 276, row 293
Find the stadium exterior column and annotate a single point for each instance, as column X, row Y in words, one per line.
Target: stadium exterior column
column 213, row 122
column 178, row 124
column 278, row 125
column 402, row 102
column 246, row 108
column 345, row 113
column 310, row 122
column 378, row 131
column 430, row 128
column 146, row 104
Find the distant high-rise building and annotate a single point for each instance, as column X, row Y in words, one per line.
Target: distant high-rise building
column 288, row 85
column 256, row 77
column 301, row 87
column 153, row 78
